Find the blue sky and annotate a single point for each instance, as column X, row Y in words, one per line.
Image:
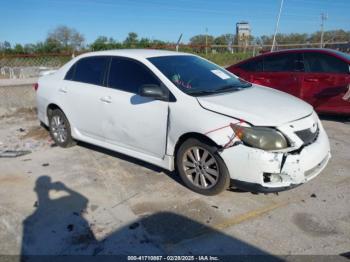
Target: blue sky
column 28, row 21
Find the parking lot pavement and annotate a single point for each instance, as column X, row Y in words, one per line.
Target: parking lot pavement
column 87, row 200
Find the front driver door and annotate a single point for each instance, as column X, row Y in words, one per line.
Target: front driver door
column 131, row 121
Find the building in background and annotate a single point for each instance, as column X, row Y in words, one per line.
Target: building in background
column 243, row 34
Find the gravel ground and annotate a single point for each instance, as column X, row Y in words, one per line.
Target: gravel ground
column 88, row 200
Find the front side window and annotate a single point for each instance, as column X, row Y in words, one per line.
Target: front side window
column 129, row 75
column 91, row 70
column 324, row 63
column 196, row 76
column 281, row 63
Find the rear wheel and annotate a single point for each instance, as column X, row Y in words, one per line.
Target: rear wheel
column 60, row 129
column 201, row 168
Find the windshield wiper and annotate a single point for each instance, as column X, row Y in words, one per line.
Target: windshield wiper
column 226, row 88
column 233, row 87
column 202, row 92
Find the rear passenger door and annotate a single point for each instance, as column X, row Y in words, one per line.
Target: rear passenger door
column 82, row 93
column 282, row 72
column 325, row 82
column 131, row 121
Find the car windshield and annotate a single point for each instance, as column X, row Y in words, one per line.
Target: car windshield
column 196, row 76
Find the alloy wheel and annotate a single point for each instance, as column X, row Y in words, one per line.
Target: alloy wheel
column 59, row 128
column 201, row 167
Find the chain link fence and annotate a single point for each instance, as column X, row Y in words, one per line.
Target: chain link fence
column 28, row 66
column 19, row 72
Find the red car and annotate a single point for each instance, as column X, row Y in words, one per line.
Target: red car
column 321, row 77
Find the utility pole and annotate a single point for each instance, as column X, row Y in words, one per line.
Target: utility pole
column 206, row 40
column 178, row 43
column 276, row 28
column 323, row 19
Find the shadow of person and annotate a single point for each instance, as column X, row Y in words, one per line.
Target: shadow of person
column 57, row 225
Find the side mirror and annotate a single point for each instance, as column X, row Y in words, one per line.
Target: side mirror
column 153, row 91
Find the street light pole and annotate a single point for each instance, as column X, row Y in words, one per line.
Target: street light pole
column 276, row 28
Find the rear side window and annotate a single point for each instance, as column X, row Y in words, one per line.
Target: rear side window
column 324, row 63
column 91, row 70
column 129, row 75
column 253, row 66
column 281, row 63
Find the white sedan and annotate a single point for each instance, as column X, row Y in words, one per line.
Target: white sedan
column 180, row 111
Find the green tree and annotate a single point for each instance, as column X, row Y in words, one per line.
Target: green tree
column 69, row 38
column 131, row 40
column 18, row 49
column 225, row 39
column 200, row 40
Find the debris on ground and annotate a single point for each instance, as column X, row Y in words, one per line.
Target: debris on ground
column 45, row 164
column 97, row 251
column 14, row 153
column 313, row 195
column 134, row 226
column 36, row 133
column 70, row 227
column 21, row 130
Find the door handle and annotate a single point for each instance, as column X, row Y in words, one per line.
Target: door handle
column 313, row 80
column 63, row 90
column 260, row 78
column 106, row 99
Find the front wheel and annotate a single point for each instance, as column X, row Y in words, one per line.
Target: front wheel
column 60, row 129
column 201, row 168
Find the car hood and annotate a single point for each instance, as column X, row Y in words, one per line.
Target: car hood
column 258, row 105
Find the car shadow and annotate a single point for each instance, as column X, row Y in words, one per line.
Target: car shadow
column 171, row 174
column 337, row 118
column 59, row 226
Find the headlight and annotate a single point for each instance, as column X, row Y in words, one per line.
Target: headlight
column 260, row 137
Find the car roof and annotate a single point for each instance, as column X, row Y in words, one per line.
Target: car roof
column 294, row 50
column 134, row 53
column 327, row 50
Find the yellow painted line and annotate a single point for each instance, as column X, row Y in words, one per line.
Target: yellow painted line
column 248, row 216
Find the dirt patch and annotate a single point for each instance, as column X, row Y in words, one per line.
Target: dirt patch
column 313, row 225
column 197, row 209
column 27, row 113
column 36, row 133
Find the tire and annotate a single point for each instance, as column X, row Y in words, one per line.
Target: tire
column 60, row 131
column 199, row 175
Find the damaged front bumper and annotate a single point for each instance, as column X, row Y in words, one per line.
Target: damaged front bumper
column 257, row 170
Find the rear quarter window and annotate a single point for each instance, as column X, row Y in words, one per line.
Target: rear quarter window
column 70, row 73
column 91, row 70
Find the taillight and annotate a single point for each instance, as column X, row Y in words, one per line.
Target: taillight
column 36, row 86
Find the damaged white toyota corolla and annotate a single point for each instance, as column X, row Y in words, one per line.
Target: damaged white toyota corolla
column 179, row 111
